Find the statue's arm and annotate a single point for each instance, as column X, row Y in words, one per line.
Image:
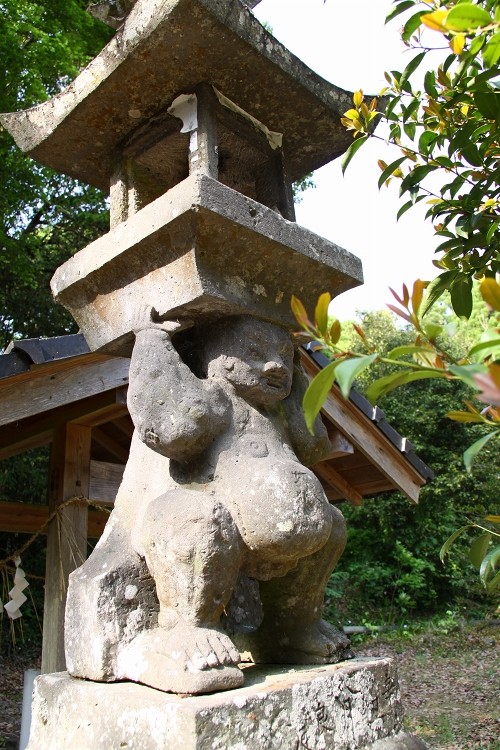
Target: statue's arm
column 308, row 448
column 175, row 413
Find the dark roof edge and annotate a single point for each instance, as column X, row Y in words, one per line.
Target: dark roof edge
column 21, row 355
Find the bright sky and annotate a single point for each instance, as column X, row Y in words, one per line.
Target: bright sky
column 347, row 43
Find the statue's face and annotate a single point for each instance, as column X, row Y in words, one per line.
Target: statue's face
column 257, row 359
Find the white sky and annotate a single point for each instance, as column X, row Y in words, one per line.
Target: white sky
column 346, row 42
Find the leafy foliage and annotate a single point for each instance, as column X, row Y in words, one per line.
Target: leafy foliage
column 47, row 217
column 391, row 567
column 447, row 128
column 428, row 355
column 386, row 363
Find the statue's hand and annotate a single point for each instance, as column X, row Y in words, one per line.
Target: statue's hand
column 146, row 317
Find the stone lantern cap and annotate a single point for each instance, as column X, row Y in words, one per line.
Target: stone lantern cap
column 200, row 250
column 163, row 50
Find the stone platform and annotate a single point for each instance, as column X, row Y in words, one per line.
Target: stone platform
column 349, row 706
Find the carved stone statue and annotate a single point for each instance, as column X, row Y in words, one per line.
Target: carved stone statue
column 219, row 511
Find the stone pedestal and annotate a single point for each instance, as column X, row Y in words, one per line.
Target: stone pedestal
column 346, row 706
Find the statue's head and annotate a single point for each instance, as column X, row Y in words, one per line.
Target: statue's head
column 254, row 356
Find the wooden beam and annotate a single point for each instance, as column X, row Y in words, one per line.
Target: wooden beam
column 105, row 479
column 110, row 444
column 326, row 472
column 125, row 425
column 24, row 518
column 66, row 536
column 108, row 413
column 38, row 430
column 340, row 446
column 48, row 387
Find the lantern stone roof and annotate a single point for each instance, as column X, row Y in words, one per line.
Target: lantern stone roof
column 165, row 49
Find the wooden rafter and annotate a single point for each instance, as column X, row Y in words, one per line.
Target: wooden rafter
column 25, row 518
column 52, row 385
column 38, row 430
column 327, row 473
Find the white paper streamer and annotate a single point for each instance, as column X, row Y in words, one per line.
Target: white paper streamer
column 17, row 598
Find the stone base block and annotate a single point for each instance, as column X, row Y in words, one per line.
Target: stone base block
column 348, row 706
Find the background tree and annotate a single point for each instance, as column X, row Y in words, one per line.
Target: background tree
column 46, row 216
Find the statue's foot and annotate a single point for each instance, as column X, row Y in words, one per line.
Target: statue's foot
column 316, row 643
column 183, row 659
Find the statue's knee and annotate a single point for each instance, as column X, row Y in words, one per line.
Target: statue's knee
column 182, row 524
column 338, row 536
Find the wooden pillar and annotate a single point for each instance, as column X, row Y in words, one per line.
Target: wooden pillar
column 67, row 533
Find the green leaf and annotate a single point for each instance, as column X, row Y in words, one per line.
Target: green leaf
column 491, row 53
column 384, row 385
column 352, row 150
column 400, row 351
column 479, row 549
column 472, row 451
column 467, row 16
column 476, row 44
column 430, row 84
column 461, row 297
column 488, row 564
column 410, row 129
column 491, row 231
column 400, row 8
column 446, row 546
column 465, row 417
column 411, row 67
column 321, row 312
column 299, row 312
column 389, row 110
column 433, row 330
column 486, row 349
column 488, row 103
column 404, row 208
column 466, row 373
column 388, row 171
column 437, row 287
column 411, row 109
column 348, row 370
column 444, row 161
column 426, row 140
column 449, row 62
column 416, row 175
column 411, row 26
column 317, row 392
column 493, row 583
column 472, row 155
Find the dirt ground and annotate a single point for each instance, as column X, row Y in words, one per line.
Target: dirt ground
column 450, row 684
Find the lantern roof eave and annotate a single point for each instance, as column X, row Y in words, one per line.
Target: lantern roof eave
column 168, row 48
